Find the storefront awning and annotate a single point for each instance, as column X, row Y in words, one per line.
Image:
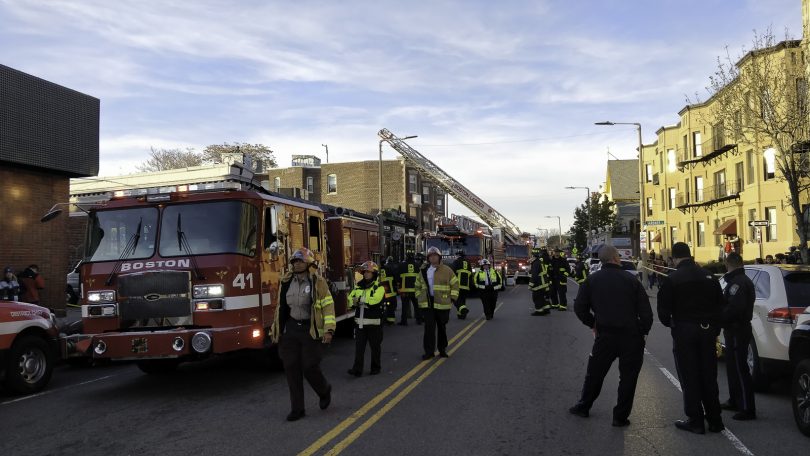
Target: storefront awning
column 729, row 228
column 656, row 237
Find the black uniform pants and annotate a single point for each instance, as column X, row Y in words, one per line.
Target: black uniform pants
column 552, row 293
column 391, row 309
column 435, row 325
column 562, row 291
column 629, row 348
column 695, row 353
column 540, row 299
column 461, row 301
column 740, row 384
column 301, row 355
column 410, row 308
column 373, row 336
column 489, row 297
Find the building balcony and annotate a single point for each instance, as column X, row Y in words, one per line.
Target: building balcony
column 709, row 196
column 713, row 149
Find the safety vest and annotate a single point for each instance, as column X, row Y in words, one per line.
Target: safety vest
column 388, row 284
column 463, row 273
column 494, row 279
column 408, row 278
column 367, row 301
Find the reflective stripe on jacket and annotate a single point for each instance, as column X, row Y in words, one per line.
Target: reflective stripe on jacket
column 463, row 272
column 367, row 298
column 387, row 281
column 445, row 288
column 407, row 277
column 323, row 308
column 495, row 279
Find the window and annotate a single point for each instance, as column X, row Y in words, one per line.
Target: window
column 752, row 230
column 770, row 216
column 739, row 175
column 660, row 162
column 701, row 234
column 315, row 234
column 412, row 187
column 686, row 199
column 801, row 95
column 689, row 232
column 439, row 202
column 331, row 183
column 717, row 240
column 762, row 286
column 769, row 159
column 749, row 157
column 649, row 170
column 685, row 145
column 697, row 147
column 649, row 207
column 718, row 136
column 310, row 185
column 232, row 230
column 425, row 194
column 699, row 189
column 672, row 197
column 673, row 235
column 672, row 162
column 720, row 185
column 112, row 233
column 276, row 183
column 663, row 200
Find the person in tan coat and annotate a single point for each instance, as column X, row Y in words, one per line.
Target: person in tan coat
column 437, row 291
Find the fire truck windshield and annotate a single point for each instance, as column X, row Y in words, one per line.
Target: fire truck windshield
column 471, row 245
column 442, row 244
column 109, row 232
column 208, row 228
column 517, row 251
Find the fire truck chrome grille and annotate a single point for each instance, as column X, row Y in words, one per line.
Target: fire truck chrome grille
column 155, row 294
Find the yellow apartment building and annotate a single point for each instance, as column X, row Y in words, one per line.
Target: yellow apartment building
column 703, row 184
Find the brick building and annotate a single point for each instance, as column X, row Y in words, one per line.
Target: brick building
column 355, row 185
column 48, row 134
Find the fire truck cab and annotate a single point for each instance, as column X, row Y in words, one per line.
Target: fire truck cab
column 185, row 272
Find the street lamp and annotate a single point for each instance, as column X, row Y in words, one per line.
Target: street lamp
column 559, row 226
column 641, row 207
column 588, row 206
column 380, row 215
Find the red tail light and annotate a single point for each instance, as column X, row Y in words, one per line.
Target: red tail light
column 785, row 315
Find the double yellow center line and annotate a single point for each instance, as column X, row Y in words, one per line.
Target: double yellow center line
column 464, row 335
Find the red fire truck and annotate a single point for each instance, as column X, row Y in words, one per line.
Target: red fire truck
column 517, row 260
column 477, row 243
column 352, row 239
column 185, row 272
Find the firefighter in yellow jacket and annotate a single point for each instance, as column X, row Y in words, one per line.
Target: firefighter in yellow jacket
column 539, row 282
column 463, row 272
column 437, row 290
column 367, row 299
column 304, row 321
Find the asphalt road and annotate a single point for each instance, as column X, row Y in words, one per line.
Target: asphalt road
column 505, row 389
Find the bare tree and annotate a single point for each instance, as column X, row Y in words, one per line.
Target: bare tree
column 761, row 99
column 163, row 159
column 216, row 153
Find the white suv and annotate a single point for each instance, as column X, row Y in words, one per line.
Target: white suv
column 782, row 294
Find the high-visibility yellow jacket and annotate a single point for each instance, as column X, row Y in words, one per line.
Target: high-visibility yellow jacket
column 445, row 288
column 495, row 280
column 323, row 308
column 366, row 298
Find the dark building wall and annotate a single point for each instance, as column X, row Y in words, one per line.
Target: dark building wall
column 27, row 195
column 47, row 126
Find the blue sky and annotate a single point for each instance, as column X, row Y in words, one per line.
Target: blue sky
column 503, row 95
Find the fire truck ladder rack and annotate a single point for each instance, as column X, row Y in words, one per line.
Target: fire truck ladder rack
column 487, row 213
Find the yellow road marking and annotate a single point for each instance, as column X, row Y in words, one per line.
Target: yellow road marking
column 393, row 402
column 343, row 425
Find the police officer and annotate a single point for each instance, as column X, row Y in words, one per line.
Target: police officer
column 539, row 284
column 388, row 277
column 737, row 313
column 407, row 273
column 367, row 297
column 560, row 272
column 488, row 281
column 690, row 302
column 437, row 289
column 616, row 307
column 463, row 272
column 304, row 320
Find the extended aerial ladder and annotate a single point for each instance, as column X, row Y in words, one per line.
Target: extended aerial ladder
column 461, row 193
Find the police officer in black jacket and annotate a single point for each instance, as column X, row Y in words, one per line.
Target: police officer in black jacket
column 690, row 302
column 739, row 295
column 614, row 304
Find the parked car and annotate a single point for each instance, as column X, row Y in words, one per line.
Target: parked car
column 800, row 383
column 28, row 346
column 782, row 294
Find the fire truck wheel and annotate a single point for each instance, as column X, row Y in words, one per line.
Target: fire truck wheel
column 29, row 365
column 158, row 366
